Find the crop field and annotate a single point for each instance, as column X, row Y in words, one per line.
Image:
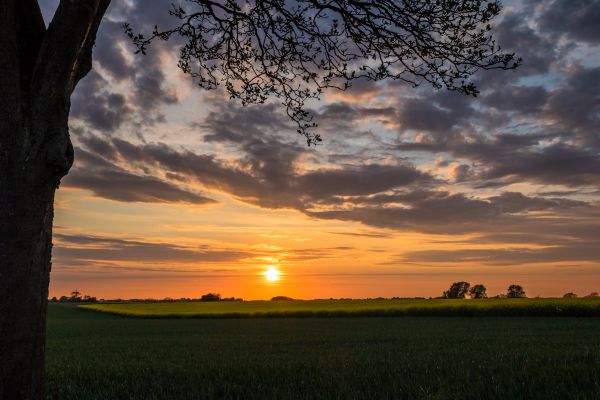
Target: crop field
column 94, row 355
column 583, row 307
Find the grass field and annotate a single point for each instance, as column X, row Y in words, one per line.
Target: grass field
column 103, row 356
column 583, row 307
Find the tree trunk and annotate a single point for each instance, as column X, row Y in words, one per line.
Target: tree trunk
column 25, row 247
column 39, row 69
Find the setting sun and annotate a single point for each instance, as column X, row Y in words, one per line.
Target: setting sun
column 272, row 274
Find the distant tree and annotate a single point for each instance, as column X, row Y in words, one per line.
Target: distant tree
column 75, row 295
column 569, row 295
column 457, row 290
column 53, row 299
column 478, row 292
column 515, row 292
column 232, row 299
column 593, row 294
column 210, row 297
column 281, row 298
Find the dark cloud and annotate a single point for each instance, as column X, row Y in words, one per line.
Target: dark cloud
column 378, row 235
column 520, row 99
column 441, row 212
column 538, row 52
column 150, row 91
column 106, row 252
column 84, row 249
column 142, row 90
column 111, row 182
column 577, row 19
column 514, row 202
column 94, row 103
column 266, row 175
column 575, row 105
column 555, row 164
column 573, row 252
column 110, row 50
column 358, row 180
column 438, row 113
column 339, row 118
column 506, row 159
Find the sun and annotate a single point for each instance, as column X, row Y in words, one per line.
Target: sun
column 272, row 274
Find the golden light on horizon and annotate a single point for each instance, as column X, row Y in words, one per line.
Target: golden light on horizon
column 272, row 274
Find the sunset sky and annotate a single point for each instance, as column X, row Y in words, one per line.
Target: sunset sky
column 177, row 192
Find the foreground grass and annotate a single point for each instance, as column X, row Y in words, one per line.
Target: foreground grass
column 582, row 307
column 101, row 356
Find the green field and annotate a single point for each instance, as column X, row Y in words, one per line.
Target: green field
column 582, row 307
column 102, row 356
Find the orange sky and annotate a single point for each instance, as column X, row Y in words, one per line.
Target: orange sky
column 316, row 259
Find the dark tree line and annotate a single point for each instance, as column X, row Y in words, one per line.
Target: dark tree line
column 460, row 290
column 75, row 297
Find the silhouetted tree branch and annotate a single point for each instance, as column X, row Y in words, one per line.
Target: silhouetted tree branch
column 293, row 50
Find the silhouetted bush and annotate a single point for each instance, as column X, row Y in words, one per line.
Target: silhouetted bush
column 515, row 292
column 281, row 298
column 210, row 297
column 478, row 292
column 457, row 290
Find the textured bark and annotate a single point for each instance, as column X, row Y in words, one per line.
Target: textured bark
column 39, row 69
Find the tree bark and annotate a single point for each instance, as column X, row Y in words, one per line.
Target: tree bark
column 39, row 70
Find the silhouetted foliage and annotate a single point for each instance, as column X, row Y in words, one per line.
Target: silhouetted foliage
column 292, row 50
column 232, row 299
column 281, row 298
column 515, row 292
column 593, row 294
column 569, row 295
column 457, row 290
column 210, row 297
column 478, row 292
column 76, row 297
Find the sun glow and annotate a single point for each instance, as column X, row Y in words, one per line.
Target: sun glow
column 272, row 274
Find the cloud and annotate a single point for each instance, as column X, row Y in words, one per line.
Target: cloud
column 99, row 107
column 520, row 99
column 515, row 33
column 577, row 19
column 87, row 249
column 111, row 182
column 573, row 252
column 111, row 253
column 378, row 235
column 574, row 105
column 123, row 87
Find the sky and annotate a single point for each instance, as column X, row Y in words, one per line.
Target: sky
column 177, row 191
